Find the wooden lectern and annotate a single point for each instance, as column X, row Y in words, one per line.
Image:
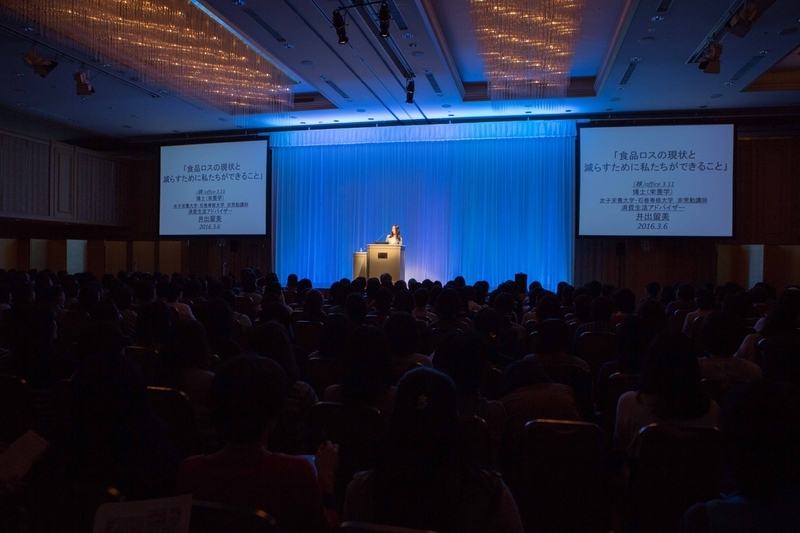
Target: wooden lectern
column 359, row 264
column 389, row 258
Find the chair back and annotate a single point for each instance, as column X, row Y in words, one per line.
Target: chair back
column 672, row 468
column 211, row 517
column 596, row 348
column 148, row 360
column 173, row 408
column 18, row 412
column 306, row 334
column 366, row 527
column 321, row 373
column 356, row 429
column 579, row 379
column 615, row 386
column 560, row 486
column 677, row 319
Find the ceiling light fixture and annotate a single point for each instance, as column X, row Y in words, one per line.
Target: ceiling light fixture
column 410, row 91
column 341, row 31
column 527, row 47
column 170, row 43
column 384, row 16
column 40, row 66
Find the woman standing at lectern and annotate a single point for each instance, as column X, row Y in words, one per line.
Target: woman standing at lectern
column 394, row 237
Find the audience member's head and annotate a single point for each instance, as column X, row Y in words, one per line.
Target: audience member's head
column 551, row 336
column 152, row 323
column 186, row 346
column 271, row 340
column 722, row 333
column 448, row 304
column 246, row 397
column 547, row 307
column 402, row 334
column 672, row 375
column 369, row 365
column 624, row 301
column 601, row 309
column 463, row 357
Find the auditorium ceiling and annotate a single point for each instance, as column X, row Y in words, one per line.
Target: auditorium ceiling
column 632, row 57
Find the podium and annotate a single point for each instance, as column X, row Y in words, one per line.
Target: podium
column 389, row 258
column 359, row 264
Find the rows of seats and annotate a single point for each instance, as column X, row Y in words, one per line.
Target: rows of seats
column 565, row 475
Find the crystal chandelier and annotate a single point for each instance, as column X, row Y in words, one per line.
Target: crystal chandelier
column 526, row 46
column 171, row 42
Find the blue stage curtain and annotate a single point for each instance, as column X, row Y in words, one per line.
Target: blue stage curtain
column 484, row 201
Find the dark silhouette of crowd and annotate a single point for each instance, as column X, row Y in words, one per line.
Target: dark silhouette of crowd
column 160, row 385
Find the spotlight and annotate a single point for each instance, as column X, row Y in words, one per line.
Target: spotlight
column 341, row 31
column 709, row 63
column 82, row 85
column 410, row 92
column 384, row 17
column 40, row 66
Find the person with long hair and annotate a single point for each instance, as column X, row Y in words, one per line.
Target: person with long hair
column 420, row 480
column 669, row 391
column 394, row 237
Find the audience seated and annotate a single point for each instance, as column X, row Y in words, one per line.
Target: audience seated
column 312, row 307
column 187, row 361
column 669, row 392
column 530, row 394
column 420, row 481
column 368, row 372
column 114, row 439
column 172, row 292
column 247, row 395
column 721, row 334
column 551, row 344
column 403, row 338
column 624, row 302
column 464, row 356
column 761, row 428
column 782, row 318
column 705, row 304
column 270, row 340
column 600, row 310
column 55, row 325
column 448, row 305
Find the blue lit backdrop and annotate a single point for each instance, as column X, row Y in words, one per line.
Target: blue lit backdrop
column 484, row 201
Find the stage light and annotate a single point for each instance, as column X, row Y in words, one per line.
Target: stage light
column 710, row 63
column 341, row 31
column 384, row 17
column 82, row 85
column 410, row 92
column 40, row 66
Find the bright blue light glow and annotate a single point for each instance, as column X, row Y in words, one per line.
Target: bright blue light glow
column 480, row 200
